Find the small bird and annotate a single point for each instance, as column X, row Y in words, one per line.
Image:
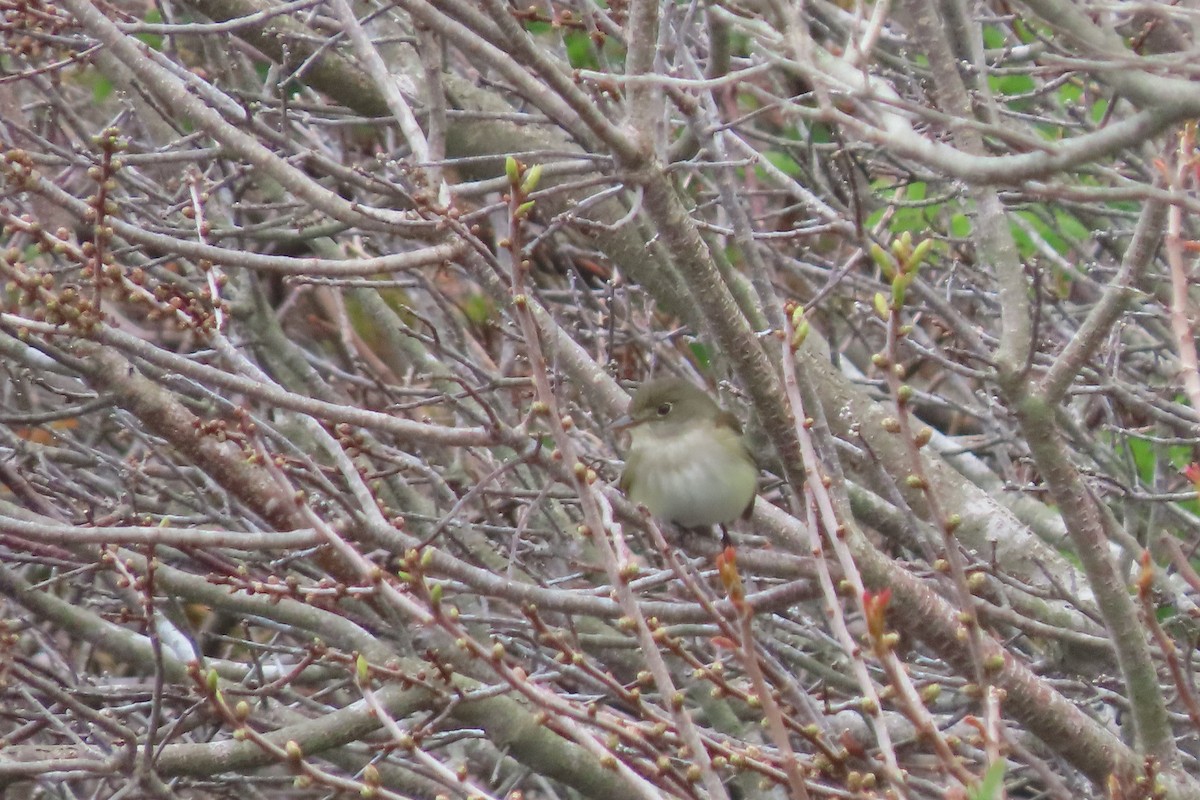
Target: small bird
column 687, row 461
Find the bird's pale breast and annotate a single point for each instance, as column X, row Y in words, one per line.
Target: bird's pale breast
column 690, row 479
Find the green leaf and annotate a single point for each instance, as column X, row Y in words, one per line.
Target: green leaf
column 1070, row 92
column 883, row 259
column 820, row 133
column 580, row 52
column 154, row 40
column 960, row 226
column 101, row 87
column 1024, row 243
column 881, row 307
column 478, row 308
column 1051, row 235
column 1071, row 226
column 993, row 37
column 1144, row 457
column 739, row 44
column 532, row 176
column 783, row 162
column 1012, row 84
column 993, row 781
column 909, row 220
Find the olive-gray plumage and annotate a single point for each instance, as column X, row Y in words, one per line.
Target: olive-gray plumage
column 687, row 461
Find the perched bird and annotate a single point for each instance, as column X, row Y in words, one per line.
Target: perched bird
column 687, row 461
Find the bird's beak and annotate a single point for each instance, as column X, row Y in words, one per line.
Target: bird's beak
column 621, row 423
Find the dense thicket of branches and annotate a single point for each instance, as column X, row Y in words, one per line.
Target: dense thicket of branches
column 317, row 314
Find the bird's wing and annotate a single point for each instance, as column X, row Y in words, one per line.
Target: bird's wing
column 726, row 418
column 631, row 460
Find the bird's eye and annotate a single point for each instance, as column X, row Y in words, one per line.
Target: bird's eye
column 664, row 409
